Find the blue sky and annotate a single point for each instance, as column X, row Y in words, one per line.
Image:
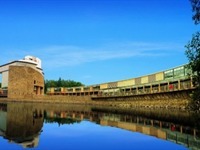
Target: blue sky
column 96, row 41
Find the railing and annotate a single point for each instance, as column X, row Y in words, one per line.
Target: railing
column 177, row 85
column 188, row 141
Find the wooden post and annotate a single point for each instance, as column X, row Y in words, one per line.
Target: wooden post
column 136, row 90
column 191, row 82
column 73, row 115
column 167, row 86
column 143, row 89
column 82, row 116
column 159, row 87
column 151, row 88
column 194, row 132
column 160, row 124
column 152, row 123
column 137, row 120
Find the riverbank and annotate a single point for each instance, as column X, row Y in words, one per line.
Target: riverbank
column 170, row 103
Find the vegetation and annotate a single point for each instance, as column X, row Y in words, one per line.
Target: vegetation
column 0, row 84
column 196, row 10
column 61, row 83
column 193, row 55
column 61, row 121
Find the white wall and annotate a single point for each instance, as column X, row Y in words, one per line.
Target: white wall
column 4, row 79
column 0, row 79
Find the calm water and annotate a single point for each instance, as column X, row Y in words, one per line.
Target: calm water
column 73, row 127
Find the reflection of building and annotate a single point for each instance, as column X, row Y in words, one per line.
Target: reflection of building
column 29, row 143
column 180, row 134
column 22, row 78
column 176, row 133
column 3, row 116
column 149, row 130
column 21, row 123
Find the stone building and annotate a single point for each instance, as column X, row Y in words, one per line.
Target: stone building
column 22, row 78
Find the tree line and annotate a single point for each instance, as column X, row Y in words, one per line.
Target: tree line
column 62, row 83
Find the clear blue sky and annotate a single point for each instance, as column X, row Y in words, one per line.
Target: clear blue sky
column 96, row 41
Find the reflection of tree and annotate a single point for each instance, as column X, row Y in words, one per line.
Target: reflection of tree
column 61, row 121
column 56, row 118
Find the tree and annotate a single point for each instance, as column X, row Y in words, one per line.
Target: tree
column 61, row 83
column 0, row 84
column 196, row 10
column 193, row 54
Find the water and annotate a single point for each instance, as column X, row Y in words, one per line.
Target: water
column 74, row 127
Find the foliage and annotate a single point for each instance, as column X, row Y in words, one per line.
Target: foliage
column 195, row 103
column 0, row 84
column 61, row 83
column 196, row 10
column 61, row 121
column 193, row 55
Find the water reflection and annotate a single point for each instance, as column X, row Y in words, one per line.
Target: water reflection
column 22, row 123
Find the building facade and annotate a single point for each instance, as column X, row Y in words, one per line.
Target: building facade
column 178, row 78
column 22, row 78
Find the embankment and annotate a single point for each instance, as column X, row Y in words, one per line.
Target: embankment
column 179, row 101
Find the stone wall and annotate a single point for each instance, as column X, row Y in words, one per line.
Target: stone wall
column 167, row 103
column 177, row 101
column 24, row 82
column 169, row 100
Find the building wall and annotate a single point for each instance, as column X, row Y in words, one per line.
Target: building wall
column 137, row 80
column 126, row 83
column 159, row 76
column 144, row 80
column 104, row 86
column 3, row 68
column 152, row 78
column 4, row 79
column 24, row 82
column 112, row 84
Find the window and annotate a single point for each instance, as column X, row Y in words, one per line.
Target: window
column 169, row 74
column 179, row 72
column 188, row 71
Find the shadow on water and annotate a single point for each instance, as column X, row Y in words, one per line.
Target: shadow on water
column 22, row 123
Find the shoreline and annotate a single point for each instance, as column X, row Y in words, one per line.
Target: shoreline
column 168, row 104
